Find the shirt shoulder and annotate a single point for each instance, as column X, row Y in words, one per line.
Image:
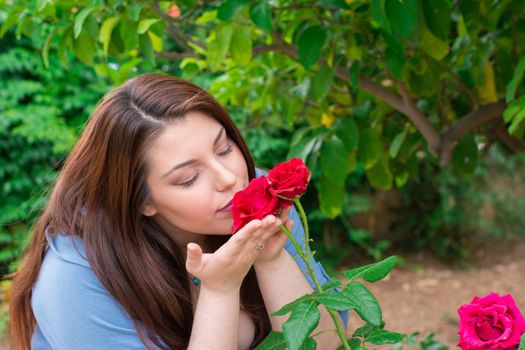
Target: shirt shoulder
column 73, row 310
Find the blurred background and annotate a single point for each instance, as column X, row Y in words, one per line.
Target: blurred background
column 410, row 115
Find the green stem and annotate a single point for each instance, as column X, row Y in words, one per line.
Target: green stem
column 306, row 258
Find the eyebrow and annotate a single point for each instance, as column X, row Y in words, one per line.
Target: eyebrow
column 191, row 161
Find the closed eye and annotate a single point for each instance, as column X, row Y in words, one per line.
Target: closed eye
column 190, row 182
column 226, row 151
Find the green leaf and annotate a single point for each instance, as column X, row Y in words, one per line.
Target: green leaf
column 229, row 8
column 84, row 48
column 334, row 160
column 129, row 34
column 292, row 305
column 241, row 45
column 522, row 342
column 45, row 48
column 380, row 336
column 365, row 304
column 363, row 331
column 309, row 344
column 41, row 5
column 380, row 175
column 394, row 63
column 274, row 341
column 516, row 121
column 437, row 17
column 12, row 18
column 145, row 24
column 321, row 83
column 372, row 272
column 354, row 73
column 465, row 155
column 334, row 4
column 63, row 44
column 347, row 131
column 218, row 47
column 301, row 323
column 146, row 47
column 134, row 11
column 331, row 196
column 435, row 47
column 370, row 148
column 335, row 300
column 310, row 44
column 80, row 18
column 402, row 15
column 261, row 15
column 306, row 142
column 516, row 79
column 331, row 284
column 379, row 15
column 105, row 31
column 512, row 109
column 396, row 144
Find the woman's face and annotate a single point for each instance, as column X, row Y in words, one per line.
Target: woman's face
column 195, row 169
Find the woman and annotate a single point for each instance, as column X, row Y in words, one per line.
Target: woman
column 134, row 248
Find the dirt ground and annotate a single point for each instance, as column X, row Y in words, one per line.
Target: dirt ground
column 423, row 294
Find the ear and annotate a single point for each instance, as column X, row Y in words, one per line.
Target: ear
column 149, row 209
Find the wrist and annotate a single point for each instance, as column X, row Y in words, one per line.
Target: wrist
column 271, row 265
column 222, row 290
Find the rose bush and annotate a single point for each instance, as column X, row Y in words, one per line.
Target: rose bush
column 490, row 322
column 285, row 183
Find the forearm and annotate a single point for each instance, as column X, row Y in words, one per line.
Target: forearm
column 216, row 321
column 281, row 281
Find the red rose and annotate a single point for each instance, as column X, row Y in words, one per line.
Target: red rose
column 254, row 202
column 289, row 179
column 492, row 322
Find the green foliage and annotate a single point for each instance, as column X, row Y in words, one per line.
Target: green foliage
column 444, row 211
column 41, row 112
column 312, row 64
column 413, row 342
column 304, row 313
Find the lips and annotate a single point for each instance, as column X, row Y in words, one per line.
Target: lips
column 227, row 206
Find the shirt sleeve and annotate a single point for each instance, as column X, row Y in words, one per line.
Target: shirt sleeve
column 74, row 311
column 320, row 273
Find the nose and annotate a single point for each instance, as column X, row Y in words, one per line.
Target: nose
column 226, row 179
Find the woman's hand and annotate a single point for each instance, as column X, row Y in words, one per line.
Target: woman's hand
column 275, row 243
column 225, row 269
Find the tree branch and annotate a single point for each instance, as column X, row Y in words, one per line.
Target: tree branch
column 511, row 142
column 175, row 56
column 469, row 122
column 177, row 35
column 439, row 144
column 474, row 119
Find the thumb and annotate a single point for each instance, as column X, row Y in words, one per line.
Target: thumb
column 193, row 258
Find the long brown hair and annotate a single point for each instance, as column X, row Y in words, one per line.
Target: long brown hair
column 99, row 196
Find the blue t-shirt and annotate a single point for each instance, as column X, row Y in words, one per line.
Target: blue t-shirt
column 73, row 310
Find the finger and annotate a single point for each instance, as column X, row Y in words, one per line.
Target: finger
column 285, row 213
column 281, row 239
column 193, row 258
column 237, row 242
column 289, row 225
column 270, row 227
